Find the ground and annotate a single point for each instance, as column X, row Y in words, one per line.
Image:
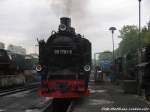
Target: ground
column 26, row 101
column 106, row 97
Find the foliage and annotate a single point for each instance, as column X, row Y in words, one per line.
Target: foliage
column 146, row 33
column 147, row 37
column 130, row 40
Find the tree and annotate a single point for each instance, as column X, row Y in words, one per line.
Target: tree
column 130, row 39
column 147, row 37
column 146, row 33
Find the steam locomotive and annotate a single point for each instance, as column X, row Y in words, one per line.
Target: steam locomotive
column 5, row 62
column 64, row 63
column 12, row 63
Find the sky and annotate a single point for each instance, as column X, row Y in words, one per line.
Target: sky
column 23, row 21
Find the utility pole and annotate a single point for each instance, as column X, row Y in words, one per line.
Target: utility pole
column 139, row 34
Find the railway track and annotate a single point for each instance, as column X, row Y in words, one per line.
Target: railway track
column 59, row 105
column 70, row 107
column 18, row 89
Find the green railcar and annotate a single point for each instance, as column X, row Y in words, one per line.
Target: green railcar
column 30, row 62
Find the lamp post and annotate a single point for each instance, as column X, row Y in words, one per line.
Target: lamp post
column 139, row 16
column 139, row 34
column 112, row 29
column 140, row 75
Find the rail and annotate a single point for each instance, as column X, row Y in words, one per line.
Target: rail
column 18, row 89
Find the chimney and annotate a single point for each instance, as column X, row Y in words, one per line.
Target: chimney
column 66, row 21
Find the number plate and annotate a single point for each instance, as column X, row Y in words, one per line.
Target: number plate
column 65, row 52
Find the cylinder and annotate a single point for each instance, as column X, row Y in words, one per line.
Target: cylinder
column 66, row 21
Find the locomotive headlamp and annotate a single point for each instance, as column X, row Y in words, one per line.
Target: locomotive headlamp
column 62, row 27
column 38, row 68
column 87, row 68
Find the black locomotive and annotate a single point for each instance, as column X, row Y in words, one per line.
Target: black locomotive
column 13, row 64
column 64, row 62
column 5, row 61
